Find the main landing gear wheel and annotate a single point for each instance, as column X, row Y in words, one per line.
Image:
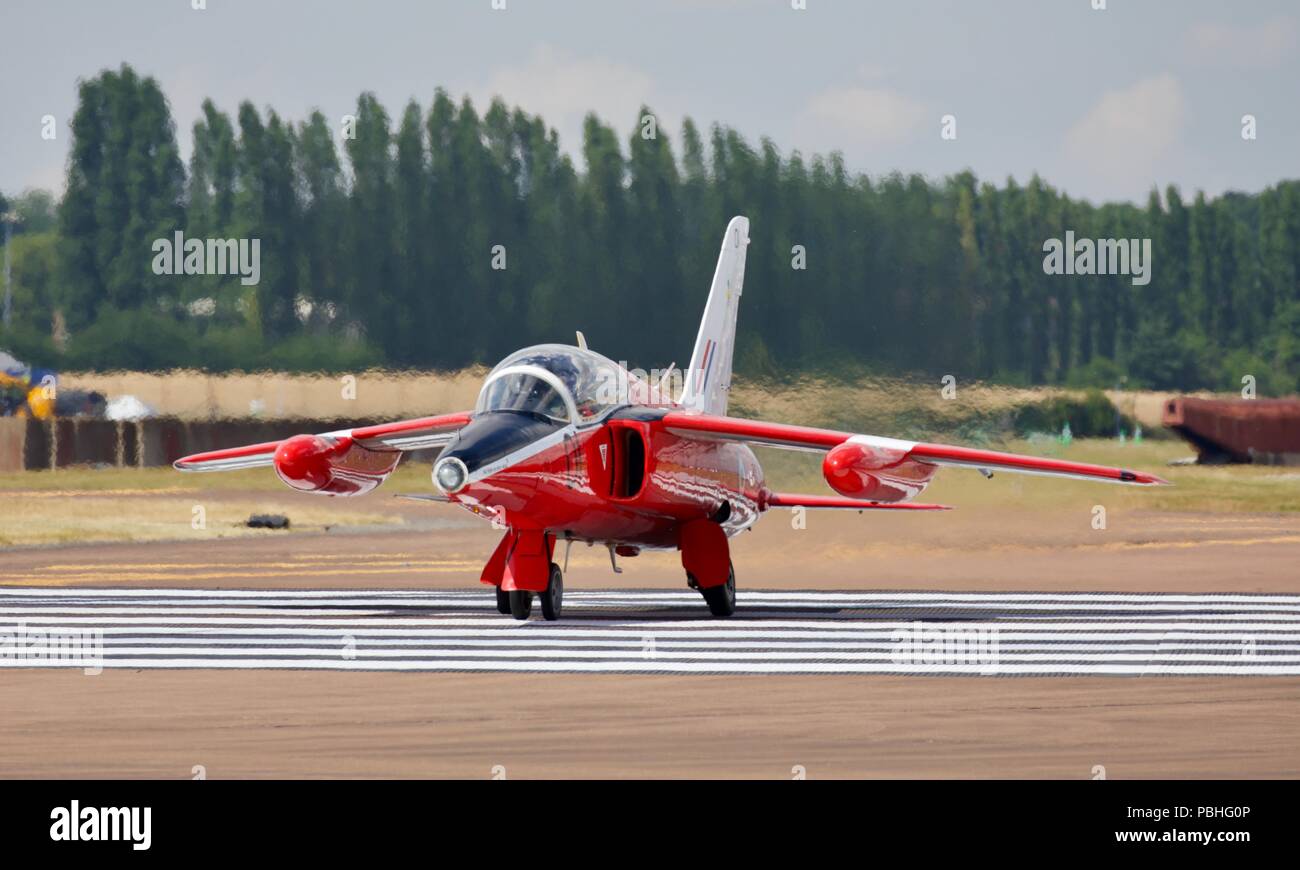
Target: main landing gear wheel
column 721, row 599
column 553, row 597
column 503, row 602
column 521, row 604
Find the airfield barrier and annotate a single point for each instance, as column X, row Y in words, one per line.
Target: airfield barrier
column 27, row 444
column 1264, row 431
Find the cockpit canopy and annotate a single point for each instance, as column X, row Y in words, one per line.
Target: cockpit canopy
column 566, row 384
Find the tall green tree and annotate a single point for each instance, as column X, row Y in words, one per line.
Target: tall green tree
column 368, row 240
column 125, row 189
column 390, row 252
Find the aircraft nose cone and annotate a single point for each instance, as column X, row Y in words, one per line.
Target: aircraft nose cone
column 491, row 442
column 450, row 474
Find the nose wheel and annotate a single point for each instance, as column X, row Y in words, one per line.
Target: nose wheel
column 720, row 599
column 519, row 603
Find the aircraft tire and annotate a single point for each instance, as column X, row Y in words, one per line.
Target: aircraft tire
column 521, row 604
column 553, row 597
column 722, row 599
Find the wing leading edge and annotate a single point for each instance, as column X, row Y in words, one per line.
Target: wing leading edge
column 418, row 434
column 808, row 438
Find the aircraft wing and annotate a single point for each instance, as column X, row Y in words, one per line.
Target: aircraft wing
column 808, row 438
column 418, row 434
column 827, row 502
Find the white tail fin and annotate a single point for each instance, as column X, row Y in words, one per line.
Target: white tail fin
column 708, row 380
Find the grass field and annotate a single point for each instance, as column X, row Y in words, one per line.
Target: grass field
column 53, row 519
column 126, row 504
column 89, row 505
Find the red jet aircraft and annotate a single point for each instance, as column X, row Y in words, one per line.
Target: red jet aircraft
column 565, row 444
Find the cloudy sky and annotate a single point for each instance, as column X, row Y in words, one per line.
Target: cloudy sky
column 1103, row 103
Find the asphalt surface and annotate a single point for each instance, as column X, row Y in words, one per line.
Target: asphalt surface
column 656, row 632
column 1107, row 618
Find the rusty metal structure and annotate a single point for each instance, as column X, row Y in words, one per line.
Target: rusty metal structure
column 1264, row 431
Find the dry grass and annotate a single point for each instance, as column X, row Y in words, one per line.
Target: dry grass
column 44, row 518
column 386, row 395
column 88, row 505
column 379, row 395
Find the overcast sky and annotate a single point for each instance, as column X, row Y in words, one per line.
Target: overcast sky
column 1103, row 104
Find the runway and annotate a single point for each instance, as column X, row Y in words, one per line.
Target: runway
column 976, row 634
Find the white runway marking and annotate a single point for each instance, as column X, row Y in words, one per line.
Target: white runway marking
column 633, row 631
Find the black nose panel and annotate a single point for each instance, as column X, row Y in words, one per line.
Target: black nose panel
column 496, row 434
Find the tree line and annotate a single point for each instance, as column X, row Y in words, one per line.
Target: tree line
column 443, row 237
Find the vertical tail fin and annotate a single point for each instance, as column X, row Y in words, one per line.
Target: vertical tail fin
column 708, row 379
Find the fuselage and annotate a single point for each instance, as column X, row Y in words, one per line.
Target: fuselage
column 625, row 480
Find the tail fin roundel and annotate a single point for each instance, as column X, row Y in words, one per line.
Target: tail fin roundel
column 708, row 380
